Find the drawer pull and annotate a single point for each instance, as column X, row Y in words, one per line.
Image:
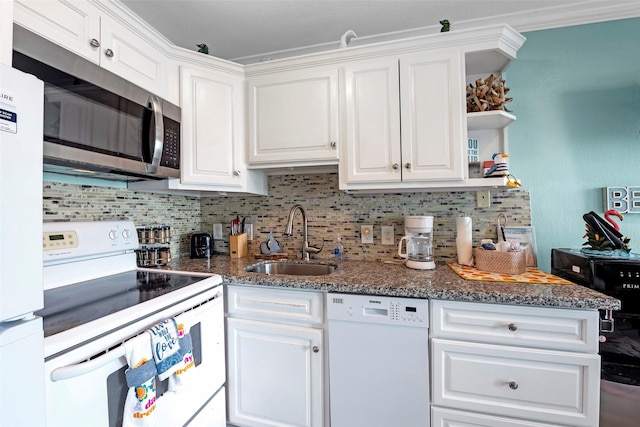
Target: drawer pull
column 512, row 327
column 513, row 385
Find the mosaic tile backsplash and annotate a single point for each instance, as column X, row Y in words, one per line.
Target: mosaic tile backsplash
column 330, row 213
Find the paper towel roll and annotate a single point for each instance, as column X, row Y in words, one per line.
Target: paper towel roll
column 464, row 244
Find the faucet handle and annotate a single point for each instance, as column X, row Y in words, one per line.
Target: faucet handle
column 314, row 250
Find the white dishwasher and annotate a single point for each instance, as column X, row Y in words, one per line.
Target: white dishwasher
column 378, row 361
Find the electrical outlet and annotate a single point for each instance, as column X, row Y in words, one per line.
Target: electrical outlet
column 483, row 199
column 217, row 231
column 366, row 233
column 387, row 235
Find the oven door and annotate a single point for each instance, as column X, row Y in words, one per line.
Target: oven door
column 86, row 385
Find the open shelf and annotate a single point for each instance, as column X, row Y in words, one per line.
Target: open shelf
column 496, row 119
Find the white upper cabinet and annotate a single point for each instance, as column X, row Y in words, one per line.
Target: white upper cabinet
column 211, row 111
column 73, row 25
column 293, row 118
column 86, row 30
column 6, row 32
column 402, row 120
column 432, row 127
column 213, row 136
column 371, row 125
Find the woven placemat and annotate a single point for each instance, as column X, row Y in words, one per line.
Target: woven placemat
column 531, row 275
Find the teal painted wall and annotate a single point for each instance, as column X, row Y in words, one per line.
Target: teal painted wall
column 576, row 95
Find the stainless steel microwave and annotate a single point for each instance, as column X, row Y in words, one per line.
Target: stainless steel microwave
column 99, row 124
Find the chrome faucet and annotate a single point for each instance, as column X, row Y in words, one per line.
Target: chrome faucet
column 306, row 249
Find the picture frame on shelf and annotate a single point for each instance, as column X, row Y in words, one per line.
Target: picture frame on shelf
column 526, row 236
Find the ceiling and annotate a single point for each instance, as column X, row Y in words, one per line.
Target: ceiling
column 247, row 31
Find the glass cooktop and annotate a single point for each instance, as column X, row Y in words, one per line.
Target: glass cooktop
column 73, row 305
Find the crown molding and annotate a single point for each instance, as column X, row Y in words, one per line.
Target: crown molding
column 587, row 12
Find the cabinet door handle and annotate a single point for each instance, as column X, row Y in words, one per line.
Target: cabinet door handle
column 407, row 165
column 94, row 43
column 334, row 144
column 236, row 173
column 512, row 327
column 513, row 385
column 316, row 349
column 109, row 53
column 395, row 166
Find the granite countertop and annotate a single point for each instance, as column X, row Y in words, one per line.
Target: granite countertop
column 394, row 279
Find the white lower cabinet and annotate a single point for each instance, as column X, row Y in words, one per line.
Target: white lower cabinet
column 491, row 364
column 441, row 417
column 275, row 359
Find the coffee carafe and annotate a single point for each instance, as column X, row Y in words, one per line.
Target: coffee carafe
column 418, row 252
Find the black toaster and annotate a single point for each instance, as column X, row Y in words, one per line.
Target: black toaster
column 201, row 245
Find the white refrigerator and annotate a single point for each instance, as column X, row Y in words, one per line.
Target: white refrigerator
column 21, row 293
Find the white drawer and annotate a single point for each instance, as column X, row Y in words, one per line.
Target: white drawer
column 540, row 385
column 442, row 417
column 539, row 327
column 278, row 305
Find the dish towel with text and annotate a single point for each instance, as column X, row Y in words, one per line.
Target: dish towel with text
column 184, row 371
column 165, row 346
column 140, row 402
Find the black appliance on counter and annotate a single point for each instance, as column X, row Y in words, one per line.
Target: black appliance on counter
column 620, row 350
column 201, row 245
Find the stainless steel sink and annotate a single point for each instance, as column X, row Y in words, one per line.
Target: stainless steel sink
column 291, row 268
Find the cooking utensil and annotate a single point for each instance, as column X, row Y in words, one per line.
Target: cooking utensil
column 235, row 226
column 500, row 225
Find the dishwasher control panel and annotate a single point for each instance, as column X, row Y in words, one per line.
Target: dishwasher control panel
column 378, row 309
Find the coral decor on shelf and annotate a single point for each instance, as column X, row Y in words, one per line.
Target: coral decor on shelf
column 487, row 95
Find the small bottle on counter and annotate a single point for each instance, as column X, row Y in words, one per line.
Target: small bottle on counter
column 338, row 251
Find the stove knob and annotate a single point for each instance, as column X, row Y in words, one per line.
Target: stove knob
column 113, row 234
column 126, row 233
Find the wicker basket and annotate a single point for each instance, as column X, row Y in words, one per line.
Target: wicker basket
column 501, row 262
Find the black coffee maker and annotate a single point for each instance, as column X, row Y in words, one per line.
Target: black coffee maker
column 201, row 245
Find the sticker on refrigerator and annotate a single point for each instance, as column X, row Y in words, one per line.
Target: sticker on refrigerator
column 8, row 118
column 8, row 121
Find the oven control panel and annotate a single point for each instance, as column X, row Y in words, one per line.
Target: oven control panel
column 69, row 240
column 59, row 240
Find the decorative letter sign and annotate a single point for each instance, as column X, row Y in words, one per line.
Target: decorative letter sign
column 622, row 199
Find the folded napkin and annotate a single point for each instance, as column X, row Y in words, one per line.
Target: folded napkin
column 140, row 402
column 183, row 371
column 165, row 347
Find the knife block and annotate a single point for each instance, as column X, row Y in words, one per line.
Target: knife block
column 238, row 245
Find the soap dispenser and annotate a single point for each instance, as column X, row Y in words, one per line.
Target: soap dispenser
column 338, row 251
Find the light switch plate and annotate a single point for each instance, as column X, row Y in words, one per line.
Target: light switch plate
column 483, row 199
column 387, row 235
column 366, row 234
column 217, row 231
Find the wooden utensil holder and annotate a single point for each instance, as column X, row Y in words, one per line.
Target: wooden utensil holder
column 238, row 245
